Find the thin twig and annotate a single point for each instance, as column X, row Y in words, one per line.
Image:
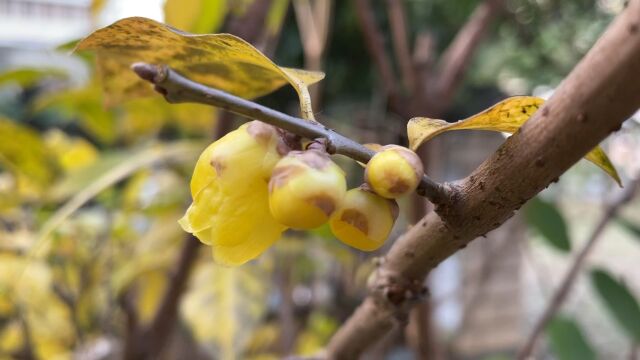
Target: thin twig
column 565, row 287
column 178, row 89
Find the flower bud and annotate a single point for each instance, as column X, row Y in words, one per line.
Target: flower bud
column 394, row 171
column 364, row 220
column 305, row 189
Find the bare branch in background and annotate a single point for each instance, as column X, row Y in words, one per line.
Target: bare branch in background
column 398, row 22
column 569, row 279
column 374, row 39
column 600, row 93
column 313, row 22
column 250, row 26
column 423, row 62
column 166, row 316
column 456, row 58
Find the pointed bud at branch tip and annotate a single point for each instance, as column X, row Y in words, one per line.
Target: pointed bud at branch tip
column 145, row 71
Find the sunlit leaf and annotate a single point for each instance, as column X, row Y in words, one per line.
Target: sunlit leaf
column 150, row 288
column 567, row 340
column 196, row 16
column 505, row 116
column 620, row 302
column 145, row 117
column 549, row 222
column 153, row 251
column 96, row 7
column 72, row 153
column 223, row 61
column 223, row 304
column 180, row 151
column 25, row 155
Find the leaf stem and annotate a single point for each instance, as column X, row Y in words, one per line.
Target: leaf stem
column 178, row 89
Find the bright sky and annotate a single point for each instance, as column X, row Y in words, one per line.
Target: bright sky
column 118, row 9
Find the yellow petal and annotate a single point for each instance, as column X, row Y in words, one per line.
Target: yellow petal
column 230, row 209
column 506, row 116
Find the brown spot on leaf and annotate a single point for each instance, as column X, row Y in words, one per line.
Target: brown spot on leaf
column 208, row 69
column 356, row 219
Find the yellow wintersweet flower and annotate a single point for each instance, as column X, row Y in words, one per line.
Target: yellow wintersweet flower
column 230, row 209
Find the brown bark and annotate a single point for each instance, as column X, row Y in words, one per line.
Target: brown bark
column 600, row 93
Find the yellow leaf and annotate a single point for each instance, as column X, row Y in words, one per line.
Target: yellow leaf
column 24, row 155
column 505, row 116
column 150, row 289
column 196, row 16
column 72, row 153
column 223, row 305
column 222, row 61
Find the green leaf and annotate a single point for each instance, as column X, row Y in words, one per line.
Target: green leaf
column 619, row 301
column 506, row 116
column 545, row 217
column 567, row 341
column 633, row 228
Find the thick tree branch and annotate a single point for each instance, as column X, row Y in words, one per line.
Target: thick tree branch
column 458, row 55
column 569, row 278
column 178, row 89
column 593, row 101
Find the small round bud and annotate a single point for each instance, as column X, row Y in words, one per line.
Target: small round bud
column 394, row 171
column 305, row 189
column 364, row 220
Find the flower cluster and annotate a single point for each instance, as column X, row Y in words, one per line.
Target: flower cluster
column 250, row 186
